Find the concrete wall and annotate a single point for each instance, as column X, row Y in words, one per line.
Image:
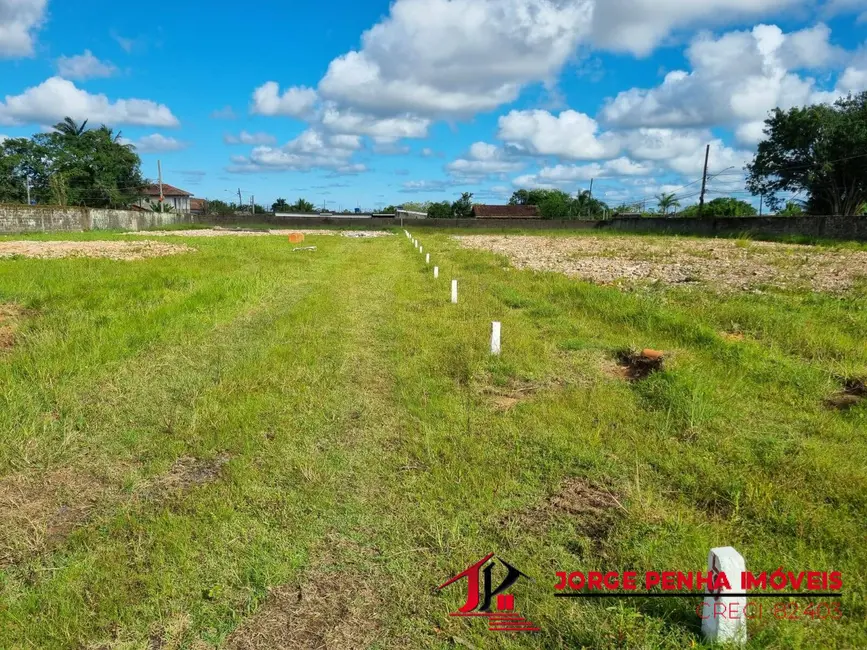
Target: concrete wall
column 23, row 219
column 853, row 228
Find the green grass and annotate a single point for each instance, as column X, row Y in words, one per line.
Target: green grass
column 353, row 401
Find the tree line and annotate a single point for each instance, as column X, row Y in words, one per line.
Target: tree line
column 71, row 165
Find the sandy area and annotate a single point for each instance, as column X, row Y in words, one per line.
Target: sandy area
column 723, row 264
column 113, row 250
column 359, row 234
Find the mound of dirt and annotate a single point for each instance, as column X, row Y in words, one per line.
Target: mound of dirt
column 635, row 366
column 113, row 250
column 853, row 393
column 722, row 264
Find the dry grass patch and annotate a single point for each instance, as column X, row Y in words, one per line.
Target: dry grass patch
column 335, row 607
column 187, row 473
column 113, row 250
column 40, row 510
column 721, row 264
column 10, row 316
column 593, row 509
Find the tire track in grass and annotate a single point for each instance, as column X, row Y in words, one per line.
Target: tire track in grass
column 291, row 466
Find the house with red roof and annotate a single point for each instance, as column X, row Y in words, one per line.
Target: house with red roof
column 177, row 199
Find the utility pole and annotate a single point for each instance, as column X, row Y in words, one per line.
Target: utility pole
column 703, row 182
column 252, row 205
column 160, row 173
column 240, row 200
column 590, row 197
column 761, row 203
column 27, row 181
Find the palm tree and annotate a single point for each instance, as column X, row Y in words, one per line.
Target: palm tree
column 667, row 201
column 280, row 205
column 70, row 127
column 302, row 205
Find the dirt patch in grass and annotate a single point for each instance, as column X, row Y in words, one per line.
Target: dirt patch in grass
column 223, row 232
column 593, row 508
column 10, row 318
column 335, row 607
column 723, row 264
column 39, row 511
column 505, row 398
column 853, row 393
column 188, row 472
column 113, row 250
column 635, row 366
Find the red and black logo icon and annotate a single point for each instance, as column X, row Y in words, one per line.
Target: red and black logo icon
column 480, row 596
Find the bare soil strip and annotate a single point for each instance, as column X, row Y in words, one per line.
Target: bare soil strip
column 221, row 232
column 113, row 250
column 723, row 264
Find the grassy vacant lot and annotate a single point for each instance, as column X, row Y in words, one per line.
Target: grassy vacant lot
column 246, row 447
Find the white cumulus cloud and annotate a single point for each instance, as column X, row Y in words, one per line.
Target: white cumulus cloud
column 735, row 81
column 84, row 66
column 484, row 159
column 638, row 26
column 456, row 57
column 310, row 150
column 56, row 98
column 19, row 19
column 297, row 101
column 570, row 134
column 156, row 143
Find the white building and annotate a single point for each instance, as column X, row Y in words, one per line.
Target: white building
column 177, row 199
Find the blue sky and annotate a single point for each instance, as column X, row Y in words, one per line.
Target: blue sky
column 373, row 103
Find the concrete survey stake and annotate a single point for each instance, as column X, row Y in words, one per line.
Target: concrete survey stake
column 496, row 330
column 436, row 272
column 726, row 629
column 427, row 259
column 454, row 292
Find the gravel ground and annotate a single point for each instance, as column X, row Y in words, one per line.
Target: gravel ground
column 723, row 264
column 259, row 233
column 113, row 250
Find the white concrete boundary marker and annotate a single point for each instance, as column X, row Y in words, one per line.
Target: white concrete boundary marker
column 427, row 259
column 496, row 330
column 436, row 272
column 454, row 292
column 724, row 618
column 421, row 249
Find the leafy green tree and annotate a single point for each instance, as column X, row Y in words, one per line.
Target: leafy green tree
column 722, row 207
column 441, row 210
column 463, row 207
column 389, row 210
column 280, row 205
column 667, row 202
column 554, row 204
column 71, row 164
column 218, row 207
column 820, row 150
